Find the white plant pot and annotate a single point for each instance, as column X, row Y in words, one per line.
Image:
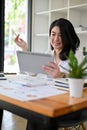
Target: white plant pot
column 76, row 87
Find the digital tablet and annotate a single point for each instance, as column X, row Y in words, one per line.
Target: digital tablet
column 32, row 61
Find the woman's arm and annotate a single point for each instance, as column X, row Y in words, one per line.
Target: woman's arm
column 21, row 43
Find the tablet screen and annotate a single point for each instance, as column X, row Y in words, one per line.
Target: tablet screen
column 33, row 62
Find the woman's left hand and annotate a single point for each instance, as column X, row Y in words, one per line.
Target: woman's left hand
column 52, row 70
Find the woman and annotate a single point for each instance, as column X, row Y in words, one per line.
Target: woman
column 62, row 38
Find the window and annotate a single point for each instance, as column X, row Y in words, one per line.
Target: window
column 15, row 23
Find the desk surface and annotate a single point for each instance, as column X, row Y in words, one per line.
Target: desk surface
column 52, row 106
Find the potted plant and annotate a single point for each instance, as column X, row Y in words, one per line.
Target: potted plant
column 77, row 72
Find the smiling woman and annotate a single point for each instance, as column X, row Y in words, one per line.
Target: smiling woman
column 62, row 37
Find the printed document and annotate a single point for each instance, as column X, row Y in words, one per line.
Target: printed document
column 28, row 88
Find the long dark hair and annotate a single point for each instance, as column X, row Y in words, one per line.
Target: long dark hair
column 69, row 37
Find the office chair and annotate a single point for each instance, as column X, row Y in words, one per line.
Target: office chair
column 73, row 126
column 73, row 121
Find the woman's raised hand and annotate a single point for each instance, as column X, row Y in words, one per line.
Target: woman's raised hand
column 21, row 43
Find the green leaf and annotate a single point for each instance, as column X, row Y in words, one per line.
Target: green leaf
column 73, row 62
column 84, row 62
column 76, row 70
column 84, row 68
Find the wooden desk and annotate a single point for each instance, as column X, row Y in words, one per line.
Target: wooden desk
column 45, row 111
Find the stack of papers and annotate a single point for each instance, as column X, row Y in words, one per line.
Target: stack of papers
column 62, row 83
column 28, row 88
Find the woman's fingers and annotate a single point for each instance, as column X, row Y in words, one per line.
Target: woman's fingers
column 52, row 65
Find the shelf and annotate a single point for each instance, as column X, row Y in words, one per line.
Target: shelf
column 43, row 23
column 40, row 44
column 58, row 4
column 43, row 13
column 62, row 10
column 47, row 11
column 82, row 32
column 56, row 15
column 41, row 5
column 82, row 7
column 77, row 2
column 42, row 35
